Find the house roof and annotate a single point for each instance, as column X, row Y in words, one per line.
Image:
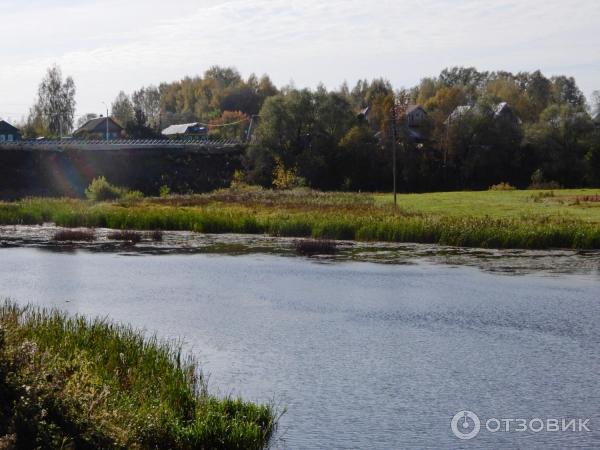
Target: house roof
column 502, row 109
column 98, row 125
column 6, row 127
column 458, row 112
column 412, row 108
column 597, row 118
column 181, row 128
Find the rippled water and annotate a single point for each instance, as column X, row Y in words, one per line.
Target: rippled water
column 361, row 355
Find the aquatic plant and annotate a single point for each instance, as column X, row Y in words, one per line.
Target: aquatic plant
column 315, row 247
column 72, row 382
column 155, row 235
column 74, row 235
column 125, row 235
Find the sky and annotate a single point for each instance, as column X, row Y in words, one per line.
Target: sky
column 113, row 45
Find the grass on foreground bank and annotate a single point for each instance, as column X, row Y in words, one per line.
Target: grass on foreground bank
column 497, row 219
column 68, row 382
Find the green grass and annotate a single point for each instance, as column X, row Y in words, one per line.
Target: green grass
column 69, row 382
column 525, row 204
column 499, row 219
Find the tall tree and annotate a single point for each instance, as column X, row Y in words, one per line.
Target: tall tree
column 567, row 91
column 147, row 100
column 122, row 109
column 55, row 106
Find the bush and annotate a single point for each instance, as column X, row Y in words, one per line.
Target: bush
column 164, row 191
column 286, row 178
column 502, row 187
column 538, row 181
column 100, row 190
column 238, row 180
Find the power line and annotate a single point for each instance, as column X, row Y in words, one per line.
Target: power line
column 247, row 119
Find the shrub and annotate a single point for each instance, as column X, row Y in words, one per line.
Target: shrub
column 100, row 190
column 286, row 178
column 127, row 196
column 538, row 181
column 238, row 180
column 502, row 187
column 164, row 191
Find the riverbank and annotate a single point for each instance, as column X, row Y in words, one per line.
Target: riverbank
column 492, row 219
column 69, row 381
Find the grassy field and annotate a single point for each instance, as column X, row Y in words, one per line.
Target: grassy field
column 67, row 382
column 498, row 219
column 525, row 204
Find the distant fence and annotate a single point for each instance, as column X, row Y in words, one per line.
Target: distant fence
column 121, row 144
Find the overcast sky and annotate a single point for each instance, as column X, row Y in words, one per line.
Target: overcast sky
column 113, row 45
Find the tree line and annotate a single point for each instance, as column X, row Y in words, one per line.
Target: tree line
column 480, row 128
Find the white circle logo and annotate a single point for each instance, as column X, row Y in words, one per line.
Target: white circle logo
column 465, row 425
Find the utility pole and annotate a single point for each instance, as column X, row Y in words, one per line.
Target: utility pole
column 106, row 119
column 394, row 149
column 251, row 127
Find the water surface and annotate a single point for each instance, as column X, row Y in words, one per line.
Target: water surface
column 362, row 355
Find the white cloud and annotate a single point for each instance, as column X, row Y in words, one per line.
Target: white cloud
column 112, row 45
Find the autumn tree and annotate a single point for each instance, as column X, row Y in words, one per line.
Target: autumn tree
column 54, row 110
column 231, row 125
column 147, row 101
column 122, row 109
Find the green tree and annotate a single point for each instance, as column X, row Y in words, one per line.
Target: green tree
column 561, row 139
column 363, row 163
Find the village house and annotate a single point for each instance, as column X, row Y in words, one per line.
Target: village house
column 8, row 133
column 415, row 116
column 97, row 129
column 415, row 119
column 194, row 129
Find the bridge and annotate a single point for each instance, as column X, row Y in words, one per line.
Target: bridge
column 61, row 145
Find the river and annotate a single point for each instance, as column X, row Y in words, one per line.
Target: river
column 359, row 354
